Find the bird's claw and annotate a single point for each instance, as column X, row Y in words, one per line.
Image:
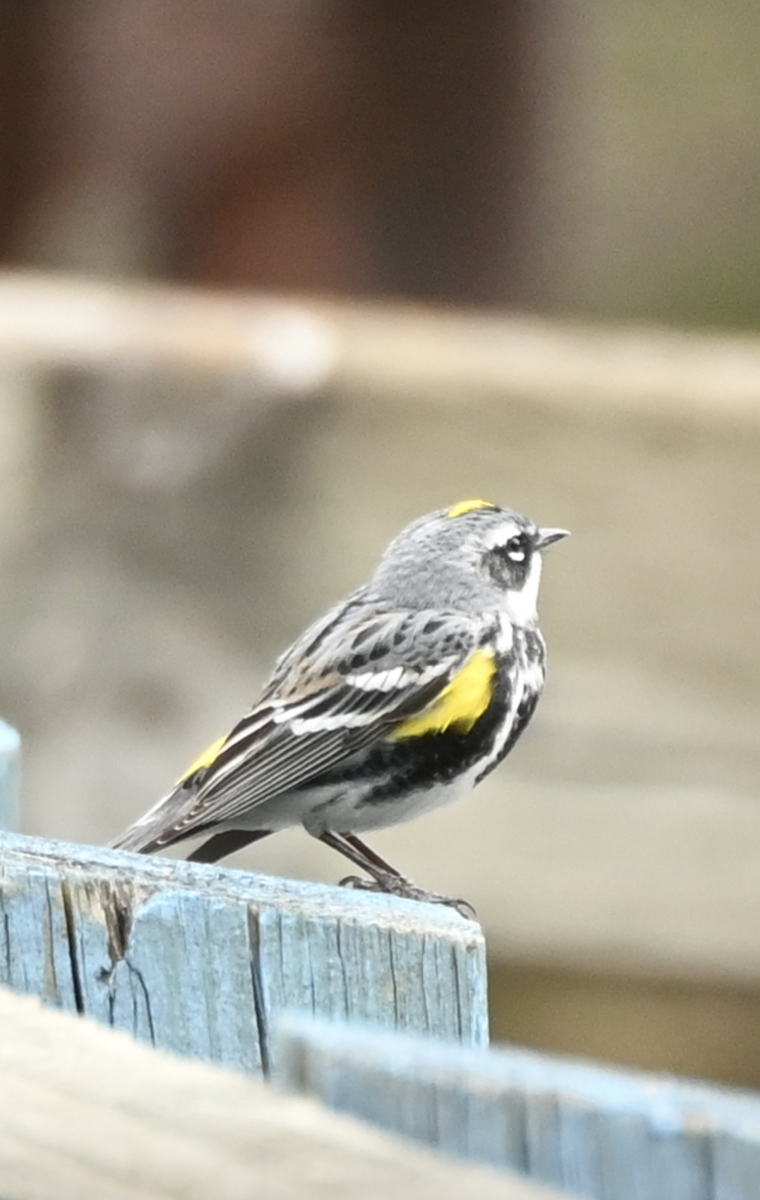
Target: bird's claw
column 396, row 885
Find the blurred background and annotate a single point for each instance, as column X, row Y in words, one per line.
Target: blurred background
column 277, row 278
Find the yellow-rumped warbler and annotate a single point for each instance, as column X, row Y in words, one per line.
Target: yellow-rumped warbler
column 403, row 695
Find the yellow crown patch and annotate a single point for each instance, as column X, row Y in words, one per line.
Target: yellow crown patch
column 466, row 506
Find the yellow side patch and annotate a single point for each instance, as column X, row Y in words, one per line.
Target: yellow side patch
column 204, row 760
column 459, row 705
column 466, row 506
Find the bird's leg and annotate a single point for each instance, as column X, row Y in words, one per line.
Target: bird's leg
column 385, row 878
column 365, row 858
column 371, row 856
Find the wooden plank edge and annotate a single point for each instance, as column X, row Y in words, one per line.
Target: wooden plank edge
column 292, row 895
column 86, row 1112
column 578, row 1125
column 10, row 777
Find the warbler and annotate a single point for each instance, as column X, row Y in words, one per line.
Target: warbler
column 405, row 694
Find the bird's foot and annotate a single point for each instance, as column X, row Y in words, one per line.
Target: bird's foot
column 396, row 885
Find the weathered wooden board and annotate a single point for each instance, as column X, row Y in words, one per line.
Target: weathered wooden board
column 10, row 773
column 301, row 346
column 87, row 1114
column 610, row 1134
column 198, row 959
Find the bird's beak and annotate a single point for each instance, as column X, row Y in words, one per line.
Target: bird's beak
column 547, row 536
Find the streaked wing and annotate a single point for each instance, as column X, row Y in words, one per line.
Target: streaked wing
column 331, row 696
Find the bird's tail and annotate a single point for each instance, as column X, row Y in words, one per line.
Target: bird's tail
column 155, row 830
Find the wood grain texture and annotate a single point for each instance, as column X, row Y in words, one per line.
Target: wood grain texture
column 198, row 959
column 10, row 773
column 599, row 1132
column 88, row 1114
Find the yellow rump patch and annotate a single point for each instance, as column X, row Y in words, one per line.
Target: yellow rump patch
column 459, row 705
column 466, row 506
column 204, row 760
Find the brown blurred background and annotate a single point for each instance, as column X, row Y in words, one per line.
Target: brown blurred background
column 184, row 487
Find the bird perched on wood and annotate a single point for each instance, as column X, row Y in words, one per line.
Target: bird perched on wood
column 401, row 697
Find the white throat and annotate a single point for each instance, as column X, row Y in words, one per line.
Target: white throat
column 521, row 605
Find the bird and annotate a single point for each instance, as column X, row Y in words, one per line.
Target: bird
column 403, row 696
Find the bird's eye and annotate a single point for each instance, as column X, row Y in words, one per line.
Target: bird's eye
column 509, row 561
column 516, row 549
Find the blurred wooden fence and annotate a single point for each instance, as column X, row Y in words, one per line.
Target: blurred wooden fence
column 10, row 765
column 87, row 1114
column 595, row 1131
column 300, row 347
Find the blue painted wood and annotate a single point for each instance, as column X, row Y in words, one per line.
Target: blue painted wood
column 10, row 777
column 596, row 1131
column 198, row 959
column 85, row 1115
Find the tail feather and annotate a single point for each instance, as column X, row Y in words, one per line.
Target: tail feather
column 155, row 830
column 226, row 842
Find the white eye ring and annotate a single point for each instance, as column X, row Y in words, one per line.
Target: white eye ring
column 516, row 550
